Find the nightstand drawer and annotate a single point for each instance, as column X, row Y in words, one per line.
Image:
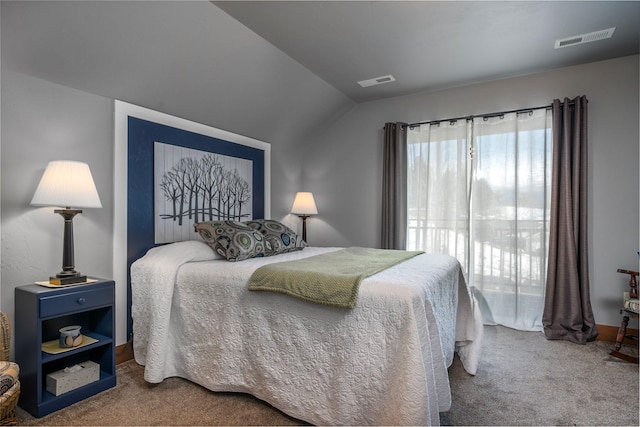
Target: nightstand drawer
column 75, row 301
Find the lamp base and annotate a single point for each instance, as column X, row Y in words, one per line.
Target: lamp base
column 304, row 227
column 68, row 280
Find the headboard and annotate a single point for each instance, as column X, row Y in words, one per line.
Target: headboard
column 137, row 131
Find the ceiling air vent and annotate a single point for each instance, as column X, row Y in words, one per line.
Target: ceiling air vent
column 585, row 38
column 377, row 81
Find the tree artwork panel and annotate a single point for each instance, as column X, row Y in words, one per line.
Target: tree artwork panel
column 192, row 186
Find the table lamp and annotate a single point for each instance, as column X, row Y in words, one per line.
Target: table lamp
column 304, row 206
column 70, row 185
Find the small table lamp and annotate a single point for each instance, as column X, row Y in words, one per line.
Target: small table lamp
column 304, row 205
column 69, row 184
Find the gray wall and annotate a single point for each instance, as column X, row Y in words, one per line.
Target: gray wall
column 343, row 163
column 63, row 64
column 43, row 121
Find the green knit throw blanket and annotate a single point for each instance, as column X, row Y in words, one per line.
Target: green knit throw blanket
column 332, row 278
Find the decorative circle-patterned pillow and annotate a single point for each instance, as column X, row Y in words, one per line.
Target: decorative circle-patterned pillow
column 234, row 240
column 278, row 237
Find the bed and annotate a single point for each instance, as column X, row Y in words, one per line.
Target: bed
column 382, row 362
column 191, row 314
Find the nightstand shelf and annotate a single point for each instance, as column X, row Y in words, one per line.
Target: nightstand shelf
column 101, row 340
column 40, row 313
column 50, row 398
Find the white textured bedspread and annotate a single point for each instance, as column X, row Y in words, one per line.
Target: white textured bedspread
column 383, row 362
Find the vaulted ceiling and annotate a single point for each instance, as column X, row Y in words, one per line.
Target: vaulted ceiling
column 429, row 45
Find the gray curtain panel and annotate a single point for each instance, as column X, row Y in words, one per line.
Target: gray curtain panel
column 567, row 311
column 394, row 187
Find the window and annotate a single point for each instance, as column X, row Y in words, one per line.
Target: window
column 479, row 190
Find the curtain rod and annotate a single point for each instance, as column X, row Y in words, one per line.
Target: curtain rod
column 485, row 116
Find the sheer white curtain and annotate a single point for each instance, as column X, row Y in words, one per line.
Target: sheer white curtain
column 438, row 188
column 479, row 190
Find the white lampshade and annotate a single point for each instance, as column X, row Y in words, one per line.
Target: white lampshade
column 304, row 204
column 68, row 184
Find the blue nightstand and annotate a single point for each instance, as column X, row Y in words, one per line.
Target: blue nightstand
column 39, row 314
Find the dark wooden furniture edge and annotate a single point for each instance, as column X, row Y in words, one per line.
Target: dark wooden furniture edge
column 609, row 333
column 124, row 352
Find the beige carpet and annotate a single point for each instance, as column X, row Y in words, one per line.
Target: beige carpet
column 522, row 379
column 525, row 379
column 173, row 402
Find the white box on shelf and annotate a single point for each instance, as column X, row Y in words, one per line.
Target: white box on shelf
column 73, row 377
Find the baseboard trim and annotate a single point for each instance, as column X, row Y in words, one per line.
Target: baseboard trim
column 610, row 333
column 124, row 352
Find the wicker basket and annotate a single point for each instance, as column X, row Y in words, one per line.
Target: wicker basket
column 8, row 406
column 5, row 336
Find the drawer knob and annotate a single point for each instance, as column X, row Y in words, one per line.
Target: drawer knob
column 81, row 300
